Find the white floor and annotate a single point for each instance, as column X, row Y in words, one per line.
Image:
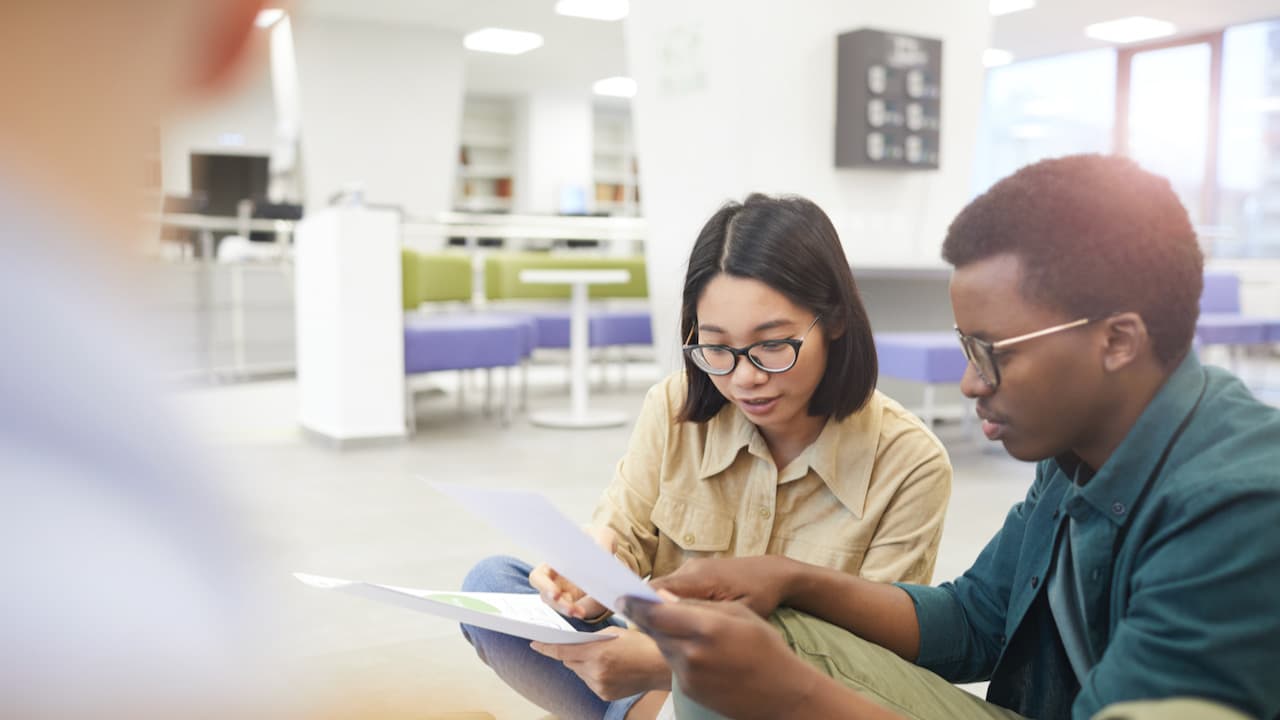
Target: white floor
column 368, row 513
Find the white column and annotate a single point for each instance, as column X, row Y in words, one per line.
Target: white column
column 350, row 327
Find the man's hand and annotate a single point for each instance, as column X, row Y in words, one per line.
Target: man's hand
column 725, row 657
column 561, row 594
column 614, row 669
column 758, row 582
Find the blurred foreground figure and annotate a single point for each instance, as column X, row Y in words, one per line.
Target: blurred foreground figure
column 125, row 590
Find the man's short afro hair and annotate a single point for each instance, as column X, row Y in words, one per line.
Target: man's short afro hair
column 1095, row 234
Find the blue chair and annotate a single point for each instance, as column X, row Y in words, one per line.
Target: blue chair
column 606, row 327
column 465, row 341
column 1221, row 322
column 931, row 358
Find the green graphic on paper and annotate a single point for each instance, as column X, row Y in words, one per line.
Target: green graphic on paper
column 463, row 601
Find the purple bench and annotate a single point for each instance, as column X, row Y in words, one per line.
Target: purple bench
column 467, row 341
column 1220, row 321
column 931, row 358
column 605, row 328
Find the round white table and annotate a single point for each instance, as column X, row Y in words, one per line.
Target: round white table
column 577, row 415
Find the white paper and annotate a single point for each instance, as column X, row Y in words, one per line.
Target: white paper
column 532, row 520
column 524, row 616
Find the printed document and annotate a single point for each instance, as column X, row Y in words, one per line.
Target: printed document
column 524, row 616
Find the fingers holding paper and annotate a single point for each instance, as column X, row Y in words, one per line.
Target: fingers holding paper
column 758, row 582
column 561, row 593
column 630, row 663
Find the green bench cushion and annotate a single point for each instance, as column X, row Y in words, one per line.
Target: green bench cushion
column 434, row 277
column 502, row 276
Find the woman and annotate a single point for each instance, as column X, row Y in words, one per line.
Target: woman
column 772, row 440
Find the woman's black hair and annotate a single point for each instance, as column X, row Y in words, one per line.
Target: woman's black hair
column 789, row 244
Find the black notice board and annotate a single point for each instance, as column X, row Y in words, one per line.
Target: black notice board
column 888, row 100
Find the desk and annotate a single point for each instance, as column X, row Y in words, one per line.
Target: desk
column 577, row 415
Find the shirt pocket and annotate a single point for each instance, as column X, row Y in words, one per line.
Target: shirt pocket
column 844, row 557
column 693, row 527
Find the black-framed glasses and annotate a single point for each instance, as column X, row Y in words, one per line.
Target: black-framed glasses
column 771, row 356
column 982, row 353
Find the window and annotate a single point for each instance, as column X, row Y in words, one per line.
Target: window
column 1202, row 111
column 1044, row 108
column 1248, row 201
column 1168, row 120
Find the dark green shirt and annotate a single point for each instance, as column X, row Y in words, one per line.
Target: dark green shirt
column 1068, row 588
column 1177, row 542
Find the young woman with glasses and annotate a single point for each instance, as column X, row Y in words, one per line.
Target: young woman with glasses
column 772, row 441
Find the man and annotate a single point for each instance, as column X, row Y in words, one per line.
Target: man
column 126, row 590
column 1144, row 563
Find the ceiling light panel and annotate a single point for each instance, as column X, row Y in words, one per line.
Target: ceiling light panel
column 268, row 17
column 502, row 41
column 994, row 57
column 1130, row 29
column 615, row 87
column 608, row 10
column 1004, row 7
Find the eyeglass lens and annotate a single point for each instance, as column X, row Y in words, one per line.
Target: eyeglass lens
column 769, row 356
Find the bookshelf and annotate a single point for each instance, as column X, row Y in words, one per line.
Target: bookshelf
column 616, row 188
column 486, row 167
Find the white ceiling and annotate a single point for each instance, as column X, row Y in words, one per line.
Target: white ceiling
column 578, row 52
column 1057, row 26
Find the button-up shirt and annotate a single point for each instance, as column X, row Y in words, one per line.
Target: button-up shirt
column 868, row 496
column 1177, row 541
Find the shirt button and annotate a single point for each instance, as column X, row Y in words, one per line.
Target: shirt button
column 765, row 512
column 1095, row 575
column 1117, row 508
column 1056, row 513
column 688, row 538
column 1035, row 581
column 1000, row 639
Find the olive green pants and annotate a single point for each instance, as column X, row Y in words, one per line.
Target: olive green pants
column 914, row 692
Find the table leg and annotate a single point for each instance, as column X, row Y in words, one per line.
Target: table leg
column 579, row 345
column 578, row 415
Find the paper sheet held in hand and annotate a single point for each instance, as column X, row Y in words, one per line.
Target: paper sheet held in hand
column 534, row 522
column 524, row 616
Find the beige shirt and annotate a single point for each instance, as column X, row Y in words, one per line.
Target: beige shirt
column 867, row 497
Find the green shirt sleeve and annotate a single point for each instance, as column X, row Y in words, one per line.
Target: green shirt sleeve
column 963, row 622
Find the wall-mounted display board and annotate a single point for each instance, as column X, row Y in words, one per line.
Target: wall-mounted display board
column 888, row 100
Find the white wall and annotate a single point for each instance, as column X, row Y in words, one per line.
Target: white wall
column 737, row 97
column 381, row 106
column 247, row 113
column 555, row 139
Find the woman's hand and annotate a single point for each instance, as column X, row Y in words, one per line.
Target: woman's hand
column 561, row 594
column 760, row 583
column 630, row 663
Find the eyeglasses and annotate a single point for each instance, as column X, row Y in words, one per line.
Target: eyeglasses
column 982, row 354
column 771, row 356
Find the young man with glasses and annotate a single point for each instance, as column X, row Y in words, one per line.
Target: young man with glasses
column 1139, row 576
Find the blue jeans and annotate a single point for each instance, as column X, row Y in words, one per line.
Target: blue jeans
column 544, row 681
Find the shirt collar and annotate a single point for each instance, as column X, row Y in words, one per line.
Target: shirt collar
column 843, row 456
column 728, row 431
column 1120, row 481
